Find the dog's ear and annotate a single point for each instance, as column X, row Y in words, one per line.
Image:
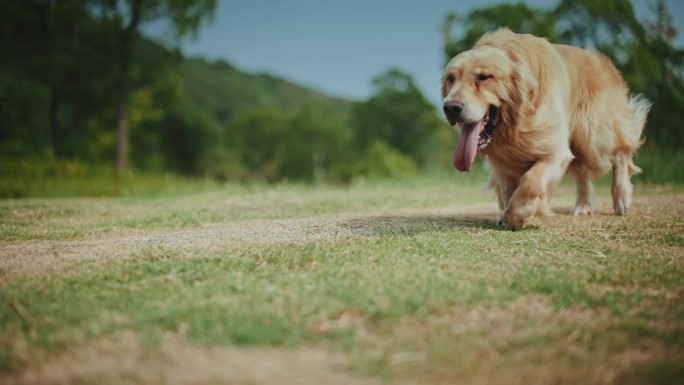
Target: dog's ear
column 444, row 88
column 526, row 84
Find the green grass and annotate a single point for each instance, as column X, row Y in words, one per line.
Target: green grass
column 41, row 177
column 410, row 281
column 50, row 178
column 660, row 167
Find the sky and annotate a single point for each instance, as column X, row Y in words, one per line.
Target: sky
column 339, row 46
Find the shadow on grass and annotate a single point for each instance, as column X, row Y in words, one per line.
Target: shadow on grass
column 416, row 224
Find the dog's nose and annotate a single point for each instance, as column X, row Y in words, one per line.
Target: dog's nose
column 453, row 109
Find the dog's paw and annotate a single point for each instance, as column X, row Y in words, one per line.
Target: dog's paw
column 620, row 207
column 622, row 199
column 511, row 221
column 500, row 221
column 583, row 209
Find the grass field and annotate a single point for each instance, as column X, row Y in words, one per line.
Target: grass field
column 381, row 283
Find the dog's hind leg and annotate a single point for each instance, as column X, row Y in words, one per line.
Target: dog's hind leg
column 585, row 189
column 623, row 167
column 622, row 188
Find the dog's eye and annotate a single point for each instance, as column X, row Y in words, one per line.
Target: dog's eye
column 450, row 79
column 483, row 77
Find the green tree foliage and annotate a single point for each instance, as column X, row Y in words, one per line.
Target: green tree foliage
column 310, row 143
column 66, row 58
column 224, row 90
column 184, row 16
column 397, row 114
column 256, row 137
column 162, row 117
column 58, row 63
column 381, row 161
column 462, row 31
column 645, row 55
column 271, row 129
column 316, row 145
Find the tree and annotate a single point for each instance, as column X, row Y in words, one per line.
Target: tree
column 256, row 136
column 62, row 48
column 316, row 145
column 185, row 17
column 662, row 28
column 397, row 114
column 167, row 133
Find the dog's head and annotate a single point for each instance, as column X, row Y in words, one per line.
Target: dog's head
column 482, row 90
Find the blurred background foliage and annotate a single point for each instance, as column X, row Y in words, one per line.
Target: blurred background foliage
column 85, row 96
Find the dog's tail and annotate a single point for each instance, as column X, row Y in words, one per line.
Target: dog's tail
column 639, row 106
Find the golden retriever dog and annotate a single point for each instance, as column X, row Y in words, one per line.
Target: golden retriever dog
column 537, row 110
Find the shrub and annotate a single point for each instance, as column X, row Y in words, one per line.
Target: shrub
column 383, row 162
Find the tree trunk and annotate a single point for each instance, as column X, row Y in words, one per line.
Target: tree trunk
column 122, row 130
column 55, row 138
column 128, row 37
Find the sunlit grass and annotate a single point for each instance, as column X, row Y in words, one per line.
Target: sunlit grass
column 411, row 280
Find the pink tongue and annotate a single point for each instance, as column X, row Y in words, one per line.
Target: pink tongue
column 466, row 150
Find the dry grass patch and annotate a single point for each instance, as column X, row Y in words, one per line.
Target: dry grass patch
column 524, row 341
column 127, row 359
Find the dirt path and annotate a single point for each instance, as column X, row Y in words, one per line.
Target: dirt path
column 39, row 257
column 50, row 256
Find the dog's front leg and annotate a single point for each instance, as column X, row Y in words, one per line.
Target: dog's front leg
column 504, row 187
column 533, row 190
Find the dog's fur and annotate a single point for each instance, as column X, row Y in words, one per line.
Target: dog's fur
column 560, row 109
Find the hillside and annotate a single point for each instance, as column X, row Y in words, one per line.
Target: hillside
column 222, row 90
